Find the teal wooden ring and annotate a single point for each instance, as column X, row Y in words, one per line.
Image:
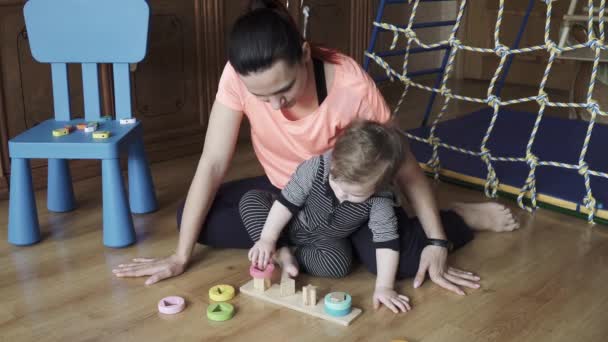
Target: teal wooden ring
column 220, row 312
column 337, row 309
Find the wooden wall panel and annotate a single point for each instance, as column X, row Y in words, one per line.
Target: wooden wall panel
column 527, row 69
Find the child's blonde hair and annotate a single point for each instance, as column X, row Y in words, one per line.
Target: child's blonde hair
column 368, row 151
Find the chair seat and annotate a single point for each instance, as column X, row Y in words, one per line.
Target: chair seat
column 39, row 142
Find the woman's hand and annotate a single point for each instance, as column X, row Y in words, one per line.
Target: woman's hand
column 391, row 299
column 434, row 260
column 158, row 269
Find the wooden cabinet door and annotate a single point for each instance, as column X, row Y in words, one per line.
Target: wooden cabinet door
column 25, row 86
column 328, row 23
column 341, row 24
column 167, row 89
column 166, row 86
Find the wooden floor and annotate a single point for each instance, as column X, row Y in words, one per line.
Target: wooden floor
column 545, row 282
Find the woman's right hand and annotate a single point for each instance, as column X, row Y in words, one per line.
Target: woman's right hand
column 158, row 269
column 261, row 253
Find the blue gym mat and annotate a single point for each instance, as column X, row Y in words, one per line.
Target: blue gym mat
column 558, row 140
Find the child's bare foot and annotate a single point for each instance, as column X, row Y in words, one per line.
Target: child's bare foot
column 489, row 216
column 287, row 262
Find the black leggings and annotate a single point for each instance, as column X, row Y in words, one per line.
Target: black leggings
column 224, row 228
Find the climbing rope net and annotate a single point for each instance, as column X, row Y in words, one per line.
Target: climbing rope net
column 594, row 42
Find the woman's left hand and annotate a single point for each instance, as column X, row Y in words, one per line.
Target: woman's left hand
column 434, row 260
column 391, row 299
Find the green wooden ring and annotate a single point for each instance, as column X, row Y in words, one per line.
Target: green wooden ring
column 220, row 312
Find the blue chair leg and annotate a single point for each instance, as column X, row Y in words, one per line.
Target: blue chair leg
column 23, row 228
column 60, row 194
column 117, row 222
column 142, row 196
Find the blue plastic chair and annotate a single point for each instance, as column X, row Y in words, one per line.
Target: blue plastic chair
column 85, row 32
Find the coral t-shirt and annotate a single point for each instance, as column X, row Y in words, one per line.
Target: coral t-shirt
column 282, row 144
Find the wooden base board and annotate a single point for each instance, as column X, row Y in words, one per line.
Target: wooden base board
column 294, row 302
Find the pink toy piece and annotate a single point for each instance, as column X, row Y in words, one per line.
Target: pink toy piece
column 261, row 274
column 171, row 305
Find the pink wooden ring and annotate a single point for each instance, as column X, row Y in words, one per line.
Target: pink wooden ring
column 261, row 274
column 171, row 305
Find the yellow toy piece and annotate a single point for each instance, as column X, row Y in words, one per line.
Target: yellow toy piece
column 60, row 132
column 101, row 135
column 221, row 293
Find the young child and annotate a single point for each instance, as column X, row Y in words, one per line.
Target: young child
column 327, row 199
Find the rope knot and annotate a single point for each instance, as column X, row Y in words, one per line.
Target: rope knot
column 409, row 33
column 542, row 98
column 493, row 100
column 434, row 141
column 531, row 160
column 593, row 107
column 501, row 50
column 444, row 91
column 595, row 43
column 583, row 168
column 589, row 201
column 455, row 42
column 485, row 154
column 553, row 48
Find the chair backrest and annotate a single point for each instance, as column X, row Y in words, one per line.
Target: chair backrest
column 88, row 32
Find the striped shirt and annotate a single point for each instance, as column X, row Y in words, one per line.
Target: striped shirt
column 310, row 198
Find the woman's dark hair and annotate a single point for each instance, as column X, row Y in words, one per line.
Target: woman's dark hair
column 266, row 34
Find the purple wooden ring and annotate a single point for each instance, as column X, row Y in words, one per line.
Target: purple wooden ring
column 171, row 305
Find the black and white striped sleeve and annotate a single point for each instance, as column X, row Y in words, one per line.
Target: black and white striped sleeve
column 294, row 194
column 383, row 223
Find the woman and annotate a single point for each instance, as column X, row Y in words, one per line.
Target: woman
column 297, row 98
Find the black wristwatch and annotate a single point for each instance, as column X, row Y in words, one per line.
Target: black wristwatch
column 441, row 243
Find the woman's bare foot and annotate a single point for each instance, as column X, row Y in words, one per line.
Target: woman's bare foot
column 489, row 216
column 287, row 262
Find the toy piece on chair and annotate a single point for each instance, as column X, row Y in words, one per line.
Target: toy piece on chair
column 309, row 295
column 70, row 128
column 101, row 135
column 128, row 121
column 60, row 132
column 81, row 126
column 261, row 278
column 91, row 127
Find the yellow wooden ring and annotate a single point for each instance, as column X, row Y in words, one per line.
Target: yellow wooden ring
column 221, row 293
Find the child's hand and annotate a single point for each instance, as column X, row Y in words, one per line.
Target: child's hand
column 261, row 253
column 391, row 299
